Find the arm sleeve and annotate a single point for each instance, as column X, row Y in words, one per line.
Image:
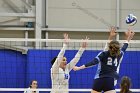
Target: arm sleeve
column 125, row 45
column 57, row 62
column 75, row 60
column 95, row 61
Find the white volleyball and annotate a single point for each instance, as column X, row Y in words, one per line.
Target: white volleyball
column 131, row 20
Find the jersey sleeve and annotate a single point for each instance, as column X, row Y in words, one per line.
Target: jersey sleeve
column 125, row 45
column 96, row 60
column 75, row 60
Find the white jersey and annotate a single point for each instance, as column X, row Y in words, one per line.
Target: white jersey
column 59, row 77
column 29, row 91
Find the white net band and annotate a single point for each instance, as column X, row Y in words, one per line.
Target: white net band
column 70, row 90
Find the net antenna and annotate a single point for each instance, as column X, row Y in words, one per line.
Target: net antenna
column 77, row 6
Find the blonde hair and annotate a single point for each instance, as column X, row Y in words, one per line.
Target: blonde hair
column 114, row 48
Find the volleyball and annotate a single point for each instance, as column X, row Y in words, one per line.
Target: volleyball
column 131, row 20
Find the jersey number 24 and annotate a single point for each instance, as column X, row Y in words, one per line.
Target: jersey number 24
column 109, row 61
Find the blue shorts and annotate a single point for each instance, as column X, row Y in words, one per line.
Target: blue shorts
column 103, row 84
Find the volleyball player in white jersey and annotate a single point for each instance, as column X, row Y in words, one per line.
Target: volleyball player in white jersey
column 60, row 69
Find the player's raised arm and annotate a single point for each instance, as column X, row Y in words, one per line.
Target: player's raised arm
column 112, row 35
column 75, row 60
column 128, row 36
column 95, row 61
column 57, row 60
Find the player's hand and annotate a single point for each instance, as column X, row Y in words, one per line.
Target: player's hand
column 66, row 38
column 84, row 43
column 112, row 33
column 75, row 68
column 129, row 34
column 132, row 35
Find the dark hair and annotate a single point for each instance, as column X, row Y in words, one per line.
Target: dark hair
column 31, row 83
column 114, row 48
column 53, row 60
column 125, row 85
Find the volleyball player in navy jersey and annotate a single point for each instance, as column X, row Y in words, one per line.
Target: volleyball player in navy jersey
column 108, row 65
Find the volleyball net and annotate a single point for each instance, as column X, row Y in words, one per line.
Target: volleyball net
column 45, row 90
column 23, row 60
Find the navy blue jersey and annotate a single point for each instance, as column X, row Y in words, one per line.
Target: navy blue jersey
column 108, row 66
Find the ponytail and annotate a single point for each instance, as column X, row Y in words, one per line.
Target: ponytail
column 125, row 85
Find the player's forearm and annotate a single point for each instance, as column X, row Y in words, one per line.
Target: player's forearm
column 75, row 60
column 79, row 53
column 125, row 46
column 89, row 64
column 81, row 67
column 94, row 62
column 62, row 52
column 128, row 39
column 106, row 45
column 110, row 38
column 86, row 65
